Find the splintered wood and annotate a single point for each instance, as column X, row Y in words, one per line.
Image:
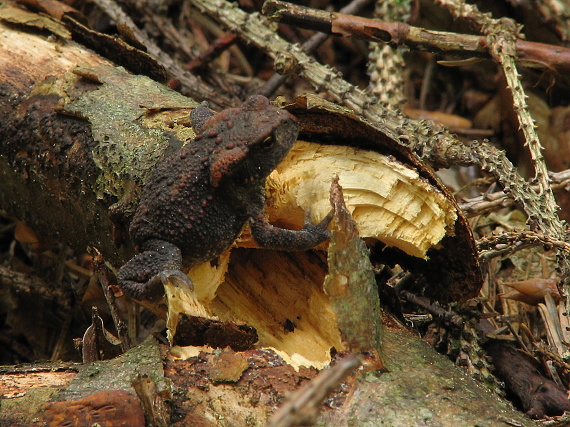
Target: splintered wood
column 279, row 294
column 389, row 201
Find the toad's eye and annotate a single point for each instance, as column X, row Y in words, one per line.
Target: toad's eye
column 268, row 142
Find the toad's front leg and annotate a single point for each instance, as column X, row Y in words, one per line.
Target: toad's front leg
column 143, row 277
column 271, row 237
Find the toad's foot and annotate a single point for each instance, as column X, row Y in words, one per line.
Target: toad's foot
column 271, row 237
column 144, row 276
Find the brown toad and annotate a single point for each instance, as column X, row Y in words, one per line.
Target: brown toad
column 196, row 202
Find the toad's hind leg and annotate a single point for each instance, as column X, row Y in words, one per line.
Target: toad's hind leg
column 144, row 276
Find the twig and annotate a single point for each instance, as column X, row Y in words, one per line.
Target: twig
column 488, row 202
column 302, row 407
column 508, row 243
column 439, row 313
column 556, row 58
column 309, row 46
column 193, row 86
column 106, row 280
column 200, row 62
column 386, row 64
column 502, row 37
column 496, row 162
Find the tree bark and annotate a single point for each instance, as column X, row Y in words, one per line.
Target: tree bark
column 64, row 174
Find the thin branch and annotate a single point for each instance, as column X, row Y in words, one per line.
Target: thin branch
column 386, row 65
column 302, row 407
column 309, row 46
column 502, row 37
column 488, row 202
column 199, row 63
column 439, row 313
column 193, row 86
column 556, row 58
column 505, row 244
column 107, row 280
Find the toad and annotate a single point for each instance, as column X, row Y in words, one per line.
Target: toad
column 196, row 202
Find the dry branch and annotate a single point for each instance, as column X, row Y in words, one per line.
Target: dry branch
column 309, row 46
column 482, row 204
column 508, row 243
column 504, row 45
column 302, row 407
column 395, row 34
